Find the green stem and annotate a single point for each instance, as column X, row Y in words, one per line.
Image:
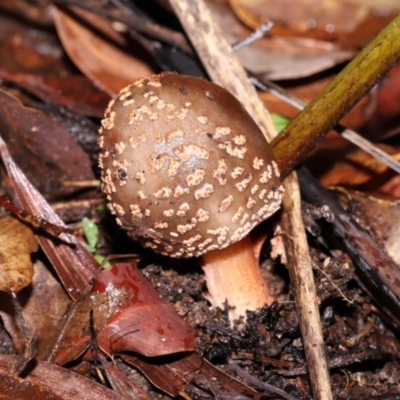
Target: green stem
column 305, row 131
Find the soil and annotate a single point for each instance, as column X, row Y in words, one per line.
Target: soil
column 361, row 345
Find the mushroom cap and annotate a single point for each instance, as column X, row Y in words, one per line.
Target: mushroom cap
column 185, row 168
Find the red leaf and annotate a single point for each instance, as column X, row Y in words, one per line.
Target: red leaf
column 143, row 322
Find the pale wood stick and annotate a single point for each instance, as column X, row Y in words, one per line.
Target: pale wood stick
column 225, row 69
column 301, row 276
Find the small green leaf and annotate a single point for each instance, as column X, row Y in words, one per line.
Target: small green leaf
column 91, row 232
column 101, row 207
column 279, row 121
column 100, row 259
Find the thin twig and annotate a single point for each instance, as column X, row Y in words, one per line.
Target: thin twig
column 30, row 340
column 301, row 276
column 257, row 383
column 348, row 134
column 259, row 33
column 305, row 131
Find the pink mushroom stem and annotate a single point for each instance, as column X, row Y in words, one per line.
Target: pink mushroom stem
column 233, row 276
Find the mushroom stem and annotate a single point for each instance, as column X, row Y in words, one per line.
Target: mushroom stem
column 233, row 275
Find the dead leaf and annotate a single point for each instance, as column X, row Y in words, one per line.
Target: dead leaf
column 326, row 19
column 74, row 265
column 349, row 166
column 378, row 215
column 78, row 335
column 277, row 57
column 145, row 324
column 73, row 91
column 38, row 13
column 173, row 376
column 142, row 323
column 43, row 305
column 121, row 384
column 17, row 242
column 100, row 52
column 24, row 48
column 48, row 381
column 44, row 149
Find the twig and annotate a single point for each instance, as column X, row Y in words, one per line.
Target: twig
column 326, row 262
column 301, row 276
column 258, row 384
column 348, row 134
column 335, row 100
column 30, row 340
column 260, row 32
column 224, row 68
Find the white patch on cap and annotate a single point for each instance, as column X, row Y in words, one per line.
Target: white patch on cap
column 221, row 131
column 225, row 203
column 204, row 192
column 237, row 171
column 202, row 215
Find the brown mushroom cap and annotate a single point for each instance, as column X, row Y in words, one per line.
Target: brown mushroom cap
column 184, row 166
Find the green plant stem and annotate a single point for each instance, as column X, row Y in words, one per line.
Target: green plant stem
column 305, row 131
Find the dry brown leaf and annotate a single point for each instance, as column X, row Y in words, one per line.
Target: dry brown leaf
column 142, row 323
column 350, row 167
column 378, row 214
column 322, row 19
column 74, row 265
column 120, row 383
column 17, row 243
column 275, row 57
column 42, row 148
column 77, row 337
column 42, row 308
column 97, row 50
column 175, row 374
column 77, row 92
column 50, row 382
column 22, row 51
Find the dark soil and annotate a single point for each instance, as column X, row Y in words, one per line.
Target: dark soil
column 362, row 348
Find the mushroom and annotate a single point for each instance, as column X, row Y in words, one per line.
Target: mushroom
column 188, row 173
